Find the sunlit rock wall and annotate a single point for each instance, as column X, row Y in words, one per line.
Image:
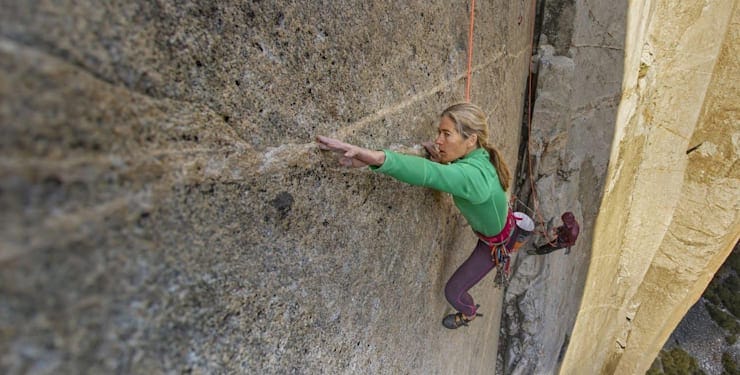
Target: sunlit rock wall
column 663, row 99
column 669, row 216
column 163, row 208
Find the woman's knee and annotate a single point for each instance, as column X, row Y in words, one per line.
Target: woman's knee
column 452, row 292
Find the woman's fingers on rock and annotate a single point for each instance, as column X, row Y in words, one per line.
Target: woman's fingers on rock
column 348, row 152
column 322, row 144
column 325, row 141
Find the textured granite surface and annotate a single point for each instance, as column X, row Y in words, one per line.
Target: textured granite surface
column 163, row 208
column 670, row 214
column 578, row 92
column 635, row 131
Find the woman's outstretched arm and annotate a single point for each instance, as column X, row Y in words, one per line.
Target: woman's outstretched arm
column 352, row 156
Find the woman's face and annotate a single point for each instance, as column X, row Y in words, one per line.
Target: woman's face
column 451, row 144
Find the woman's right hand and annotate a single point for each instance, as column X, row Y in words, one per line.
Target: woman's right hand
column 352, row 156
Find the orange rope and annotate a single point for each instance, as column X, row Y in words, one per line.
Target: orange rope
column 468, row 79
column 470, row 51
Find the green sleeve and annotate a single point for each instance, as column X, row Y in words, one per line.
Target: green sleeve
column 460, row 179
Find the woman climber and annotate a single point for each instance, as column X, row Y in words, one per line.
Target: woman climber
column 464, row 164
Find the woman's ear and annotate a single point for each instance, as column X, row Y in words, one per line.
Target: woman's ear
column 473, row 140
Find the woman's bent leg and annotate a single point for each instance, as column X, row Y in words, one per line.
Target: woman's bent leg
column 466, row 276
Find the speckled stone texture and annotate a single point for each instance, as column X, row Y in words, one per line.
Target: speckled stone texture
column 163, row 208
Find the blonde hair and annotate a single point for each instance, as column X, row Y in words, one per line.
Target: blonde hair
column 469, row 119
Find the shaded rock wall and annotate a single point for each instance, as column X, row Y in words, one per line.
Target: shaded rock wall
column 163, row 207
column 578, row 90
column 669, row 216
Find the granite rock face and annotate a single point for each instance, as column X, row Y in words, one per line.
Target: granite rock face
column 670, row 214
column 655, row 82
column 578, row 91
column 164, row 209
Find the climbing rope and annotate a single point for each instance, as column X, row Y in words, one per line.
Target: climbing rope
column 530, row 107
column 470, row 51
column 535, row 212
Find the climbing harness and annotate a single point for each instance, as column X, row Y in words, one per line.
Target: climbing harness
column 516, row 232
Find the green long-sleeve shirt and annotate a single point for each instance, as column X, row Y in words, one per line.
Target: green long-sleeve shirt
column 472, row 180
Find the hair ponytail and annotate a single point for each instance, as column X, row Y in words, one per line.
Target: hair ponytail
column 470, row 119
column 504, row 175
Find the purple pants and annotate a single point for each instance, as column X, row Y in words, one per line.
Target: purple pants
column 468, row 274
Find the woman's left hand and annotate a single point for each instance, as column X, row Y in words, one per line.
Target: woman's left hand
column 432, row 150
column 352, row 156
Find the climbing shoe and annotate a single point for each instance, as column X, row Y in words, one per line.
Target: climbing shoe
column 454, row 321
